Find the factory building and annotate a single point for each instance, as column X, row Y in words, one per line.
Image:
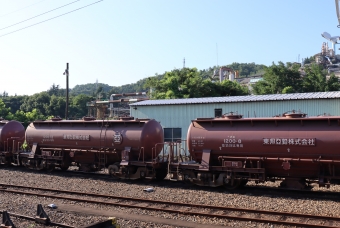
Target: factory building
column 175, row 115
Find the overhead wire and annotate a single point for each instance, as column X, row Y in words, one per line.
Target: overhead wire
column 22, row 8
column 50, row 18
column 39, row 15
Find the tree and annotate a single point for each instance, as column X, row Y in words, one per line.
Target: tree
column 315, row 80
column 187, row 83
column 14, row 102
column 232, row 88
column 3, row 110
column 288, row 89
column 78, row 106
column 332, row 83
column 56, row 106
column 38, row 101
column 4, row 94
column 277, row 77
column 309, row 60
column 178, row 83
column 26, row 117
column 54, row 90
column 261, row 87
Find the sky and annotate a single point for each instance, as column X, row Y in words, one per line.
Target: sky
column 120, row 42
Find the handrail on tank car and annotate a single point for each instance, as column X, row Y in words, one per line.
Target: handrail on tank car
column 14, row 138
column 182, row 148
column 18, row 147
column 6, row 145
column 13, row 146
column 154, row 149
column 140, row 151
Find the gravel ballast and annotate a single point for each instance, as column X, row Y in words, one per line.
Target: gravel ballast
column 26, row 205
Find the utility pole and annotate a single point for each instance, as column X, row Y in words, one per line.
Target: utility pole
column 66, row 73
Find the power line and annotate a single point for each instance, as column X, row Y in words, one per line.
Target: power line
column 21, row 8
column 39, row 15
column 50, row 18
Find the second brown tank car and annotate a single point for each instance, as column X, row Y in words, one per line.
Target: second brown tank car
column 92, row 144
column 232, row 150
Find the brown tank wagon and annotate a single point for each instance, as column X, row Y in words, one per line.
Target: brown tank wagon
column 12, row 136
column 93, row 144
column 226, row 151
column 232, row 150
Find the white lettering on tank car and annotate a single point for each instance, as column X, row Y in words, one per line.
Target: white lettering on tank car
column 304, row 141
column 290, row 141
column 48, row 138
column 231, row 141
column 77, row 137
column 311, row 142
column 198, row 141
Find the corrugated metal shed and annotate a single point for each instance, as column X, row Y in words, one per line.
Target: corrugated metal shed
column 249, row 98
column 178, row 113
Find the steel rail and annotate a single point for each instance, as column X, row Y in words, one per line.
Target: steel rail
column 33, row 219
column 186, row 212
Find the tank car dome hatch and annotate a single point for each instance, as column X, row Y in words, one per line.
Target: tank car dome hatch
column 232, row 115
column 324, row 115
column 56, row 118
column 126, row 118
column 294, row 114
column 88, row 118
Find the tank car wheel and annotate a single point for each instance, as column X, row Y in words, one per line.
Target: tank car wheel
column 50, row 168
column 64, row 166
column 161, row 174
column 66, row 162
column 42, row 165
column 231, row 186
column 243, row 182
column 186, row 179
column 5, row 162
column 113, row 169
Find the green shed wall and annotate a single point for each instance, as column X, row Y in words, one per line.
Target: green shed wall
column 180, row 116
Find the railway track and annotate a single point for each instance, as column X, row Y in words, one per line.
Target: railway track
column 30, row 218
column 243, row 214
column 256, row 190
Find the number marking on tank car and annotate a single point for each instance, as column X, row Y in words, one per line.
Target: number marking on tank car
column 48, row 138
column 231, row 141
